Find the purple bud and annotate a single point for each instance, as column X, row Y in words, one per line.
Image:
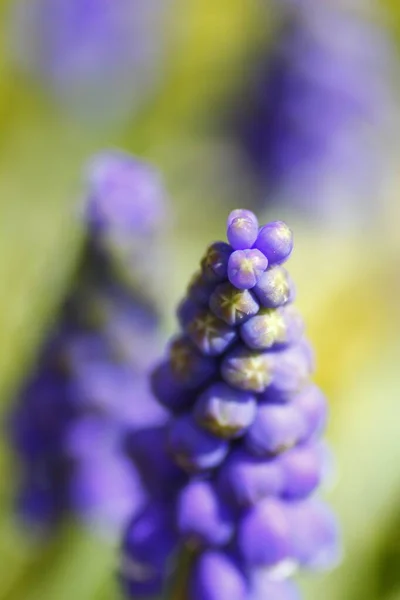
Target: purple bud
column 315, row 534
column 242, row 233
column 215, row 262
column 274, row 288
column 263, row 536
column 193, row 448
column 292, row 368
column 146, row 448
column 224, row 411
column 215, row 576
column 241, row 213
column 275, row 429
column 273, row 327
column 200, row 289
column 189, row 367
column 232, row 305
column 186, row 311
column 201, row 517
column 167, row 390
column 244, row 480
column 302, row 471
column 245, row 268
column 245, row 369
column 313, row 405
column 275, row 241
column 211, row 335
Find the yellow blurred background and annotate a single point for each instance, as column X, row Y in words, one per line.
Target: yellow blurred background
column 348, row 279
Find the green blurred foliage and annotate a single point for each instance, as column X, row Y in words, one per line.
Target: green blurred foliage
column 343, row 285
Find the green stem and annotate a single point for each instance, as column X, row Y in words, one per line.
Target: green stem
column 177, row 587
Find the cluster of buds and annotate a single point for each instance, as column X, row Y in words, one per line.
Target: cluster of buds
column 233, row 474
column 90, row 381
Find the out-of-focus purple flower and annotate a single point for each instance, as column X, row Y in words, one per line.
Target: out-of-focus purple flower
column 98, row 58
column 114, row 178
column 313, row 121
column 148, row 542
column 89, row 388
column 107, row 491
column 243, row 431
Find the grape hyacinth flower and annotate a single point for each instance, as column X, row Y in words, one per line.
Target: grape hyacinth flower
column 99, row 59
column 90, row 384
column 313, row 124
column 232, row 476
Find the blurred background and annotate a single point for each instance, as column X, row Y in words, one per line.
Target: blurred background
column 288, row 107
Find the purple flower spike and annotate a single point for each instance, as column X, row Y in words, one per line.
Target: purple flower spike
column 193, row 448
column 244, row 431
column 89, row 389
column 272, row 328
column 224, row 411
column 275, row 241
column 232, row 305
column 275, row 429
column 274, row 288
column 211, row 335
column 202, row 519
column 263, row 538
column 302, row 124
column 215, row 262
column 216, row 577
column 245, row 267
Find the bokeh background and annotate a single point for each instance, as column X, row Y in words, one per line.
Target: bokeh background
column 285, row 106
